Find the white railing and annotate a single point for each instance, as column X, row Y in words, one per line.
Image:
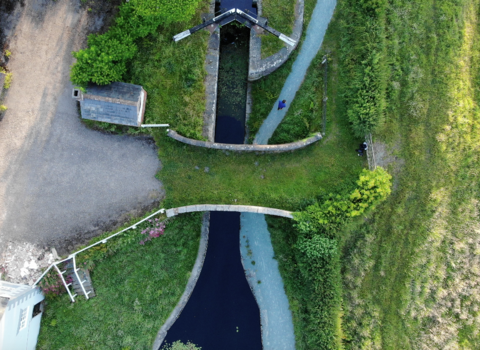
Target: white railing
column 73, row 255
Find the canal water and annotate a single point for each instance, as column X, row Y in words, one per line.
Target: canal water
column 222, row 312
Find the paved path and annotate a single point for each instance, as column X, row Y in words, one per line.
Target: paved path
column 277, row 324
column 317, row 27
column 61, row 183
column 266, row 283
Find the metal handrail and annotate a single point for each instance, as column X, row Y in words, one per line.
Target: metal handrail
column 72, row 256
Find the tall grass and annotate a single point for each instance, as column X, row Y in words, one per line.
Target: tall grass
column 409, row 275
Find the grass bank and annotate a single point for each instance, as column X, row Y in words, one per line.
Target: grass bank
column 265, row 93
column 137, row 288
column 281, row 16
column 273, row 180
column 408, row 271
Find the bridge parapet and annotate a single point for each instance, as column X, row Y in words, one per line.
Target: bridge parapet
column 234, row 208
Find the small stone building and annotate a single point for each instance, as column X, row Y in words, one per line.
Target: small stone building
column 21, row 310
column 117, row 103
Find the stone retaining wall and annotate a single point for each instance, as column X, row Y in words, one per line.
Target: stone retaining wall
column 211, row 66
column 246, row 148
column 192, row 281
column 235, row 208
column 259, row 67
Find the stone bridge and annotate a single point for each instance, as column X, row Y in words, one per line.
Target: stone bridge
column 235, row 208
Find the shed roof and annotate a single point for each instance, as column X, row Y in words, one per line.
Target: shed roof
column 120, row 91
column 117, row 103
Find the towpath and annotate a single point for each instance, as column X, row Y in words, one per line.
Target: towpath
column 322, row 14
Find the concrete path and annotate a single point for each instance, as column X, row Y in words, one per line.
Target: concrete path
column 61, row 183
column 266, row 283
column 276, row 318
column 322, row 14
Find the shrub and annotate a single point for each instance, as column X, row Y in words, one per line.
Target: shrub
column 107, row 55
column 178, row 345
column 3, row 108
column 326, row 217
column 8, row 80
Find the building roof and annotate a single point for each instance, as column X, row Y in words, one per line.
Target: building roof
column 120, row 91
column 117, row 103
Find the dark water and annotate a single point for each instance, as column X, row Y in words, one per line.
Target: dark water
column 232, row 84
column 244, row 5
column 222, row 312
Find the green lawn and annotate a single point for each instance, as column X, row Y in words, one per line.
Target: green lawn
column 281, row 181
column 137, row 289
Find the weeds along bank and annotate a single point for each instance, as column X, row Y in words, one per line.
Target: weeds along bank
column 410, row 273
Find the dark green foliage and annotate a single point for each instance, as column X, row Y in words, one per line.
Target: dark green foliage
column 363, row 67
column 107, row 55
column 310, row 270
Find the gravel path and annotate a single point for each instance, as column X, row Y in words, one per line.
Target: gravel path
column 61, row 183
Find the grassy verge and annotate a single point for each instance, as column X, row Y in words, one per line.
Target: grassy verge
column 407, row 271
column 274, row 180
column 281, row 16
column 137, row 288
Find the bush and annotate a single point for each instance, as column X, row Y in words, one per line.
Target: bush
column 373, row 188
column 105, row 60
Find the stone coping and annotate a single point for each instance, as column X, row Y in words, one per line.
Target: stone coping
column 223, row 207
column 192, row 281
column 259, row 67
column 246, row 148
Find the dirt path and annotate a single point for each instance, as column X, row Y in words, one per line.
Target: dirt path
column 61, row 183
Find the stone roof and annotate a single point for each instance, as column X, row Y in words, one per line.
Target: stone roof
column 117, row 103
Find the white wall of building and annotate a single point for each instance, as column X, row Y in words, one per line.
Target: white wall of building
column 18, row 328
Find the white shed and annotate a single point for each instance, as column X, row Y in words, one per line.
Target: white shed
column 21, row 310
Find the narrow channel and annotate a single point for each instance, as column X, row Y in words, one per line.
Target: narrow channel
column 222, row 312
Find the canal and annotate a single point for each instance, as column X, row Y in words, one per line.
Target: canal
column 222, row 312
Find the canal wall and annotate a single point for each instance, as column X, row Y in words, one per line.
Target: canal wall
column 245, row 147
column 192, row 281
column 211, row 66
column 234, row 208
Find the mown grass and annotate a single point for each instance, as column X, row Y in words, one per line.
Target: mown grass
column 281, row 16
column 137, row 288
column 272, row 180
column 407, row 270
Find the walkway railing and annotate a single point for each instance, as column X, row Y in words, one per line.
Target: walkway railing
column 73, row 256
